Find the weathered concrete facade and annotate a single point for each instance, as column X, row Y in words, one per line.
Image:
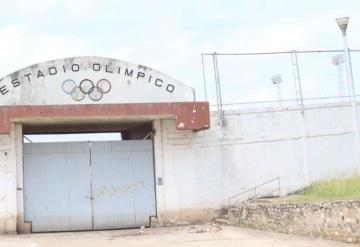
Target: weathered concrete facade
column 196, row 169
column 81, row 91
column 201, row 170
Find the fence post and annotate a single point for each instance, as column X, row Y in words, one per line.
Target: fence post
column 296, row 74
column 204, row 79
column 218, row 90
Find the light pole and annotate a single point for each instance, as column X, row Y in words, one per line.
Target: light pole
column 343, row 24
column 277, row 80
column 338, row 61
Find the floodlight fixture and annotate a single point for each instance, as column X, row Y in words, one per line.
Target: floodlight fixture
column 343, row 24
column 276, row 79
column 338, row 59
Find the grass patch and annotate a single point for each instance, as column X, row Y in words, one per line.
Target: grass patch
column 328, row 190
column 334, row 189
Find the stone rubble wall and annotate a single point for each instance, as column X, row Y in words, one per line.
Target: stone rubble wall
column 338, row 220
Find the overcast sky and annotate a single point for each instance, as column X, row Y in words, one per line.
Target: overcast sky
column 170, row 36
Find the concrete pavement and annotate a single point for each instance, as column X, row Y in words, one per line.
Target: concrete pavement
column 187, row 236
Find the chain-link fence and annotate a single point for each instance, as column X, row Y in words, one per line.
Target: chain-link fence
column 248, row 80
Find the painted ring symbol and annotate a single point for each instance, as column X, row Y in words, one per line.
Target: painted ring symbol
column 86, row 86
column 68, row 86
column 96, row 94
column 104, row 85
column 77, row 94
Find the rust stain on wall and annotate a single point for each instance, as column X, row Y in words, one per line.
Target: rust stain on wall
column 189, row 115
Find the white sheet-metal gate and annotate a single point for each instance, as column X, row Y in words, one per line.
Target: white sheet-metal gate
column 88, row 186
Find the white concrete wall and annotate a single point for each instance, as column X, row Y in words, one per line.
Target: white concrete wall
column 202, row 170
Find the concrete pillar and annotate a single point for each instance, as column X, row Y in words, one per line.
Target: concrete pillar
column 8, row 206
column 159, row 172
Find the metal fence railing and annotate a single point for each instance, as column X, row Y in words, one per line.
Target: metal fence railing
column 270, row 188
column 284, row 78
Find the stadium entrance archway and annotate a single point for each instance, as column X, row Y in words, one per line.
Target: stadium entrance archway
column 67, row 186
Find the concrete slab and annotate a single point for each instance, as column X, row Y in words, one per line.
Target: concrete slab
column 197, row 236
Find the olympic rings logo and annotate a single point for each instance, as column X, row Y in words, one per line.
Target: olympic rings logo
column 86, row 87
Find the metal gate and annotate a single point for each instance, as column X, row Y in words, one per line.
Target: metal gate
column 88, row 185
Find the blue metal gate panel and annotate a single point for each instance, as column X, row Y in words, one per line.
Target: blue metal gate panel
column 57, row 186
column 142, row 163
column 69, row 186
column 122, row 184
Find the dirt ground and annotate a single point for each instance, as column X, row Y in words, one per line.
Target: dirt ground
column 204, row 235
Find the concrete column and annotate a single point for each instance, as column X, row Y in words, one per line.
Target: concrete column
column 159, row 171
column 8, row 206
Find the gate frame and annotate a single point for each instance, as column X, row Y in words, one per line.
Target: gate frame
column 25, row 227
column 21, row 225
